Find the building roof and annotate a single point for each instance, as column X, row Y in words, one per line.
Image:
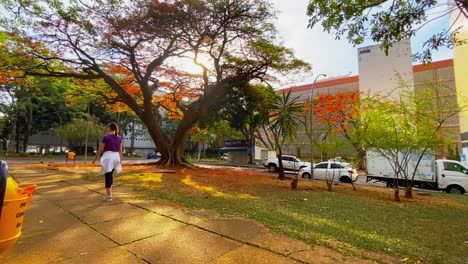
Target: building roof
column 355, row 79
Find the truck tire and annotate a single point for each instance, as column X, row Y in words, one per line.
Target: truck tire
column 453, row 189
column 345, row 179
column 272, row 167
column 306, row 175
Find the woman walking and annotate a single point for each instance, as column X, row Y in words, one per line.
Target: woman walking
column 111, row 160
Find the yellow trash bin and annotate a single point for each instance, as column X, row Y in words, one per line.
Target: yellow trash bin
column 13, row 203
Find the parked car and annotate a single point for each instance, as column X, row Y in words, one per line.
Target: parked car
column 153, row 155
column 337, row 171
column 224, row 156
column 289, row 163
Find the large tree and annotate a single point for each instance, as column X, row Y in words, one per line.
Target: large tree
column 387, row 21
column 231, row 41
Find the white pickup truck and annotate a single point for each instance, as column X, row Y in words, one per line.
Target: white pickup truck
column 445, row 175
column 289, row 163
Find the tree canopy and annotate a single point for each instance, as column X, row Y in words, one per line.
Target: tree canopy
column 129, row 47
column 386, row 21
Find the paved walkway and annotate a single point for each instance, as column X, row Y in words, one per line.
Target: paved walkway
column 68, row 222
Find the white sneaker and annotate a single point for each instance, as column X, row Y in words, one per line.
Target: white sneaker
column 108, row 198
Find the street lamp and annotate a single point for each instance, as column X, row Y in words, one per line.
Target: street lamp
column 311, row 97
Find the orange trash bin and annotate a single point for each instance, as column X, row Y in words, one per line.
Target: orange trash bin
column 71, row 156
column 13, row 203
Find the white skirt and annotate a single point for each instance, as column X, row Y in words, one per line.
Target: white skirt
column 110, row 160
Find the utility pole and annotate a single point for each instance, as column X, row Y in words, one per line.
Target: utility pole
column 311, row 97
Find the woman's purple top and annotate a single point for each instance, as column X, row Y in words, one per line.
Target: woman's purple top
column 112, row 142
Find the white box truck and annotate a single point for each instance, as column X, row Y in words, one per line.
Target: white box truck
column 445, row 175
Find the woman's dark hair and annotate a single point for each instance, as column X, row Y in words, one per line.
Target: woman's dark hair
column 114, row 128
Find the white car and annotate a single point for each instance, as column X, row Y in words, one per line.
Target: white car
column 337, row 171
column 289, row 163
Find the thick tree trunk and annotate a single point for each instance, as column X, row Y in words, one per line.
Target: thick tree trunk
column 361, row 155
column 281, row 175
column 294, row 183
column 172, row 150
column 397, row 194
column 329, row 185
column 409, row 189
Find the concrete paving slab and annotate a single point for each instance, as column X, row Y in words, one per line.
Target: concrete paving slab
column 134, row 228
column 64, row 191
column 38, row 180
column 183, row 245
column 110, row 212
column 251, row 255
column 206, row 214
column 323, row 255
column 236, row 227
column 116, row 255
column 160, row 207
column 56, row 246
column 167, row 209
column 123, row 193
column 279, row 243
column 83, row 206
column 43, row 216
column 28, row 171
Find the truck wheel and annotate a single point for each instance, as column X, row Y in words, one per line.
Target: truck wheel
column 454, row 190
column 306, row 175
column 345, row 179
column 271, row 167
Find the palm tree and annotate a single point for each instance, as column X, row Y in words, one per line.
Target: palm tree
column 284, row 120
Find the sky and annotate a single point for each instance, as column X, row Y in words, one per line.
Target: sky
column 326, row 54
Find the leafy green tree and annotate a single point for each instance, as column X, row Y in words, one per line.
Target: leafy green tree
column 213, row 133
column 246, row 110
column 232, row 43
column 410, row 128
column 76, row 132
column 385, row 21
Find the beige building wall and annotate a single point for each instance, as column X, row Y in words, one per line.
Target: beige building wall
column 441, row 74
column 460, row 61
column 441, row 71
column 381, row 74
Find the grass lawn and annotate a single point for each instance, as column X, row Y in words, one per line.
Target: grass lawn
column 427, row 229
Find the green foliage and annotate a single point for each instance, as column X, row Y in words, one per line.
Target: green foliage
column 284, row 117
column 215, row 132
column 408, row 128
column 77, row 130
column 383, row 21
column 245, row 108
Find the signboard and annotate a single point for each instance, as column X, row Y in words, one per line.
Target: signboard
column 235, row 143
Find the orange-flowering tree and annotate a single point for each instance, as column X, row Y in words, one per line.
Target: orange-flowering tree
column 341, row 114
column 232, row 42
